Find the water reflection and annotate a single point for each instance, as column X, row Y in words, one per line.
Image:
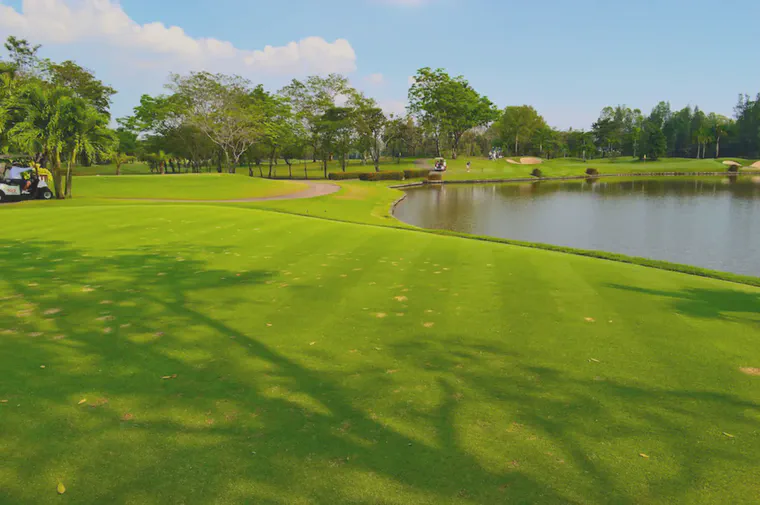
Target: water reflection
column 709, row 222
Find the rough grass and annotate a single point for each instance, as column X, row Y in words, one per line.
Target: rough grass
column 182, row 187
column 223, row 354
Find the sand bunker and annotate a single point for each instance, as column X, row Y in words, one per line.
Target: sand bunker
column 756, row 164
column 732, row 164
column 526, row 161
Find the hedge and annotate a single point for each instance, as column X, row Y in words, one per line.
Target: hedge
column 435, row 176
column 382, row 176
column 592, row 171
column 416, row 174
column 734, row 168
column 537, row 173
column 342, row 176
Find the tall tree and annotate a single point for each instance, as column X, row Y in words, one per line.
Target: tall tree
column 448, row 106
column 310, row 100
column 83, row 83
column 223, row 108
column 519, row 124
column 370, row 123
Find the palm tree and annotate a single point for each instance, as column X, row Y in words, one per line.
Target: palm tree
column 118, row 158
column 44, row 119
column 87, row 133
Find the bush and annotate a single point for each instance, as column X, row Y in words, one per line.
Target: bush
column 416, row 174
column 435, row 176
column 343, row 176
column 733, row 168
column 382, row 176
column 592, row 171
column 537, row 173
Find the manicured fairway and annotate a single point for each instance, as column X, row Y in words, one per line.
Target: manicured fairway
column 197, row 354
column 183, row 187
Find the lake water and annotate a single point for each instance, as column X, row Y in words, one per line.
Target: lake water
column 708, row 222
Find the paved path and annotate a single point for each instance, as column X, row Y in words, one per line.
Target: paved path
column 314, row 190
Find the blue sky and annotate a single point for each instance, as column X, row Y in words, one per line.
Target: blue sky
column 567, row 58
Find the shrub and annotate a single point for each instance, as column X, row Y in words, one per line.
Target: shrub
column 733, row 168
column 343, row 176
column 592, row 171
column 537, row 173
column 435, row 176
column 416, row 174
column 382, row 176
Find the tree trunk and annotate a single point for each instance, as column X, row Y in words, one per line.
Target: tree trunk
column 324, row 163
column 717, row 147
column 57, row 179
column 517, row 144
column 290, row 169
column 68, row 174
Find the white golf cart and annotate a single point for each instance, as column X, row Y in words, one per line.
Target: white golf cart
column 23, row 183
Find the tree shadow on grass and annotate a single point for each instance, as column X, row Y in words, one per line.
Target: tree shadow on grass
column 148, row 396
column 708, row 303
column 599, row 426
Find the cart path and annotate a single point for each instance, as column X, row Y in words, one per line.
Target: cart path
column 314, row 190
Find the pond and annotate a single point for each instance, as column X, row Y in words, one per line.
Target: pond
column 708, row 222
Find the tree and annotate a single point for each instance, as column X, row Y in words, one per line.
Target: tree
column 332, row 129
column 518, row 123
column 448, row 106
column 23, row 56
column 83, row 83
column 44, row 126
column 720, row 126
column 371, row 123
column 277, row 124
column 223, row 108
column 86, row 133
column 311, row 99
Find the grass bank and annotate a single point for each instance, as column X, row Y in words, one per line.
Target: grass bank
column 182, row 187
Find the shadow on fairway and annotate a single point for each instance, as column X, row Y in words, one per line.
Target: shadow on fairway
column 178, row 407
column 709, row 303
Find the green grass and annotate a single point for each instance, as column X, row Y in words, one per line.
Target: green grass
column 137, row 168
column 313, row 361
column 183, row 187
column 482, row 168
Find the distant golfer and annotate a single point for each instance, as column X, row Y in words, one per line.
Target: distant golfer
column 469, row 164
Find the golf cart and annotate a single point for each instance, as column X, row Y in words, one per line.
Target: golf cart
column 24, row 183
column 440, row 165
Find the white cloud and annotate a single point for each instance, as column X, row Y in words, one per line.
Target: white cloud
column 104, row 22
column 375, row 79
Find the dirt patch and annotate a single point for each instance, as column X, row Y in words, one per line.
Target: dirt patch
column 756, row 164
column 751, row 371
column 732, row 163
column 531, row 161
column 513, row 162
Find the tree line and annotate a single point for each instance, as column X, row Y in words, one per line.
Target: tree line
column 59, row 115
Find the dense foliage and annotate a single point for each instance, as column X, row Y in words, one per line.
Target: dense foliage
column 58, row 114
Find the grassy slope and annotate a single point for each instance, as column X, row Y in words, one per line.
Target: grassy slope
column 511, row 396
column 185, row 187
column 482, row 168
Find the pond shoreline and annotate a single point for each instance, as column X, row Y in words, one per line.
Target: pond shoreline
column 661, row 264
column 574, row 178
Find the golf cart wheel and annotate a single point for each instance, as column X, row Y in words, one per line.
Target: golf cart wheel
column 2, row 197
column 46, row 195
